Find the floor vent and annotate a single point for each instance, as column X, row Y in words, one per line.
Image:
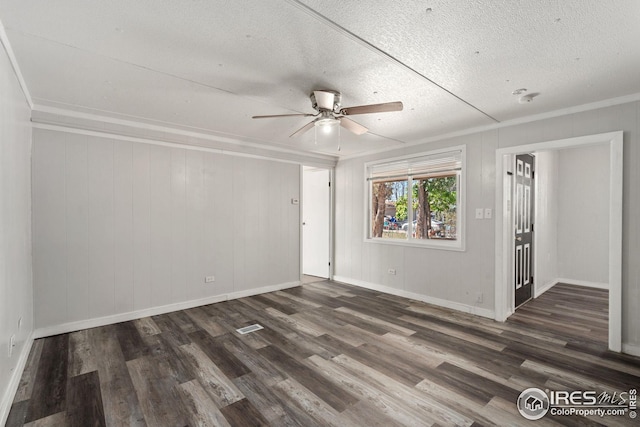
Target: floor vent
column 248, row 329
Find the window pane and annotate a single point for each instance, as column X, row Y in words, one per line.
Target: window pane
column 434, row 207
column 389, row 209
column 416, row 200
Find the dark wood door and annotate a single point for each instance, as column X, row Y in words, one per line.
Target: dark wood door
column 523, row 215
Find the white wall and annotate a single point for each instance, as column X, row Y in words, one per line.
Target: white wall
column 456, row 276
column 583, row 222
column 16, row 293
column 546, row 220
column 440, row 275
column 572, row 217
column 123, row 226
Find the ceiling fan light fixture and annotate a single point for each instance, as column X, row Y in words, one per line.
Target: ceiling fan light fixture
column 327, row 124
column 327, row 133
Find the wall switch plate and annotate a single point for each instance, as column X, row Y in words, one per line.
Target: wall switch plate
column 479, row 213
column 487, row 213
column 12, row 344
column 209, row 279
column 392, row 271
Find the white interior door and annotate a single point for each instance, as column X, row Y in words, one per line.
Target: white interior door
column 315, row 219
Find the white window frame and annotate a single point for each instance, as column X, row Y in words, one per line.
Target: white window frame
column 451, row 245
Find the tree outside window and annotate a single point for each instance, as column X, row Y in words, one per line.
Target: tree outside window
column 433, row 198
column 415, row 199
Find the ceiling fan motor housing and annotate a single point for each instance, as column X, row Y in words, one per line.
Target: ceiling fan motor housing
column 326, row 100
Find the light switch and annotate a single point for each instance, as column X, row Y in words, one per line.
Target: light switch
column 487, row 213
column 479, row 213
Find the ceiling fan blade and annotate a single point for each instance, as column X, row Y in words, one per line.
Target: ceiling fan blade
column 352, row 126
column 283, row 115
column 303, row 129
column 324, row 99
column 372, row 108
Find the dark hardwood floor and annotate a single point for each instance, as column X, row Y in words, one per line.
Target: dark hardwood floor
column 329, row 354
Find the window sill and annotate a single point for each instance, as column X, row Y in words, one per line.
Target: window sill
column 429, row 244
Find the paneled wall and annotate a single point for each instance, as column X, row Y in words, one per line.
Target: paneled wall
column 16, row 293
column 583, row 221
column 124, row 226
column 546, row 221
column 572, row 216
column 457, row 277
column 449, row 276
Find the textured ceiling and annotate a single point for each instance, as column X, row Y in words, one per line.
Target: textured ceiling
column 210, row 65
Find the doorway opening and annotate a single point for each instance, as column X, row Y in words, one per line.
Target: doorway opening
column 316, row 222
column 579, row 314
column 504, row 292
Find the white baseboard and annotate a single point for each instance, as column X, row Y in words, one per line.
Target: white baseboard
column 544, row 288
column 585, row 283
column 632, row 349
column 483, row 312
column 262, row 290
column 14, row 381
column 154, row 311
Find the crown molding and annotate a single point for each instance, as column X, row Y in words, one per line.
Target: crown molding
column 513, row 122
column 4, row 40
column 60, row 119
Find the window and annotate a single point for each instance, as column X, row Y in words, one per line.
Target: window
column 417, row 200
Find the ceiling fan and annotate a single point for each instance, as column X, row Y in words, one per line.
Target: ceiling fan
column 329, row 112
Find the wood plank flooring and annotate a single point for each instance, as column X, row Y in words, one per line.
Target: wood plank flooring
column 329, row 355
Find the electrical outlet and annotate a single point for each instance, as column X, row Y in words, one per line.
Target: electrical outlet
column 392, row 271
column 12, row 344
column 487, row 213
column 209, row 279
column 479, row 213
